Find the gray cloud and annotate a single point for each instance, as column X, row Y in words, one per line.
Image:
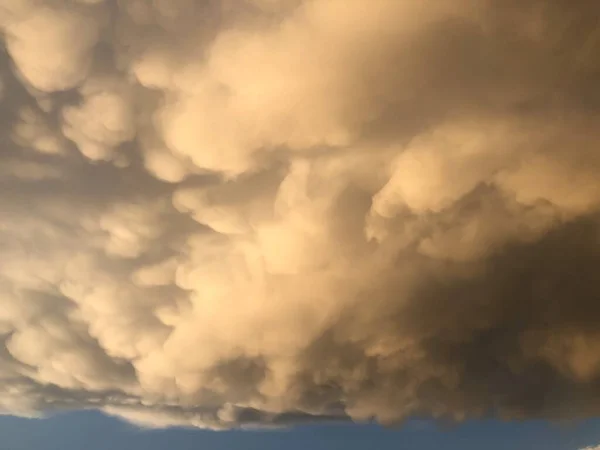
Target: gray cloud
column 257, row 213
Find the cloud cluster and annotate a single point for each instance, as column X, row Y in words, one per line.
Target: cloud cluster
column 255, row 213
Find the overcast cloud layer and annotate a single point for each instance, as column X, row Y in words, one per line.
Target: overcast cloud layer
column 224, row 213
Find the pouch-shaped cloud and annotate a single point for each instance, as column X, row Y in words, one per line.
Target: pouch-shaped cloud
column 51, row 46
column 258, row 213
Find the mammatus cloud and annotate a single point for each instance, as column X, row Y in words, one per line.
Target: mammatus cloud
column 262, row 212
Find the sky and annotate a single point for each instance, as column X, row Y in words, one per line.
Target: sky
column 91, row 430
column 261, row 214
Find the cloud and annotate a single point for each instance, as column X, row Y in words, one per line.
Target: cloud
column 102, row 121
column 51, row 46
column 299, row 210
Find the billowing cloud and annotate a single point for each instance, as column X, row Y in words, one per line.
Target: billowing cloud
column 258, row 213
column 51, row 46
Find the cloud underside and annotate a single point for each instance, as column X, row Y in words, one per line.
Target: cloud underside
column 258, row 213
